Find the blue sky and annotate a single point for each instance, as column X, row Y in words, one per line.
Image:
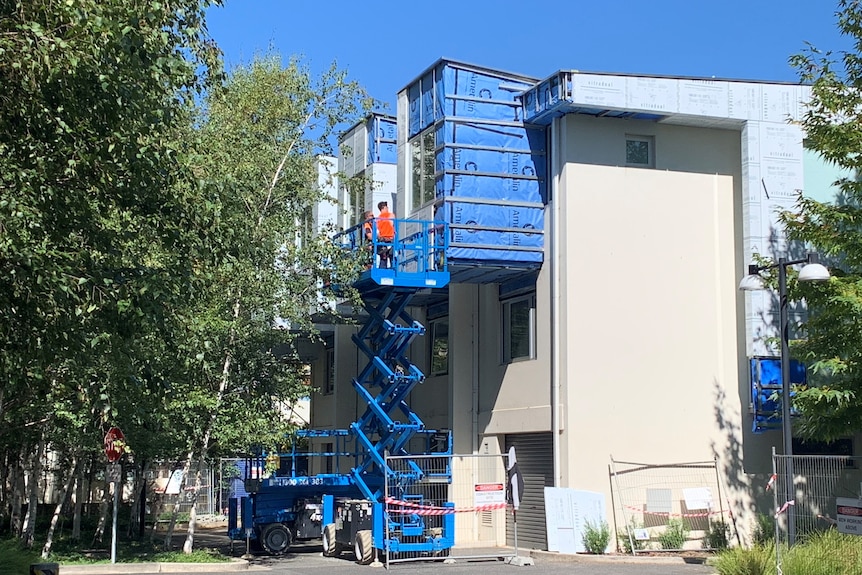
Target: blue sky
column 386, row 44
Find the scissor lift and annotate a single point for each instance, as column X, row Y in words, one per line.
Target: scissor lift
column 347, row 509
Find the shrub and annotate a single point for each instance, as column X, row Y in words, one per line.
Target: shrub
column 674, row 535
column 596, row 537
column 717, row 536
column 626, row 537
column 764, row 529
column 759, row 560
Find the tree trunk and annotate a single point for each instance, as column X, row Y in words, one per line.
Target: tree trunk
column 104, row 508
column 172, row 525
column 18, row 494
column 79, row 503
column 205, row 442
column 33, row 494
column 49, row 541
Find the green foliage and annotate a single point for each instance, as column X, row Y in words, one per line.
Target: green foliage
column 596, row 537
column 758, row 560
column 824, row 553
column 16, row 559
column 674, row 534
column 626, row 538
column 831, row 404
column 764, row 529
column 717, row 536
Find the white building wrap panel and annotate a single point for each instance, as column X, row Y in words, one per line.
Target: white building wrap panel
column 652, row 94
column 744, row 100
column 703, row 98
column 772, row 176
column 598, row 90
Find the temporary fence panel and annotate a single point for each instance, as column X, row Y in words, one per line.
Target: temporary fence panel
column 667, row 507
column 418, row 493
column 817, row 500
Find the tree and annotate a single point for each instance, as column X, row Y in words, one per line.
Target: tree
column 831, row 405
column 98, row 223
column 259, row 137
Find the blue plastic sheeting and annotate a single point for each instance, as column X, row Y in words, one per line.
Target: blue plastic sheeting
column 765, row 383
column 427, row 101
column 517, row 138
column 501, row 255
column 500, row 188
column 488, row 161
column 414, row 114
column 491, row 216
column 382, row 141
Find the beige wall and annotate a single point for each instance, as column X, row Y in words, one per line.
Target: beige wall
column 650, row 344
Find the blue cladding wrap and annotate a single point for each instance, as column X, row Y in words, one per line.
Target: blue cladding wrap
column 497, row 188
column 501, row 240
column 501, row 103
column 439, row 92
column 487, row 161
column 427, row 100
column 462, row 82
column 382, row 145
column 479, row 254
column 765, row 383
column 414, row 112
column 484, row 110
column 488, row 216
column 488, row 135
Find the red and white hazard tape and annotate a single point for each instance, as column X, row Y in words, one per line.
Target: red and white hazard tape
column 417, row 509
column 666, row 514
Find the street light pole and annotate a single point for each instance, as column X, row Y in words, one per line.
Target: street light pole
column 812, row 271
column 786, row 423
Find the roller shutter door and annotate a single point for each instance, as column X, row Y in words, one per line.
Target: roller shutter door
column 535, row 454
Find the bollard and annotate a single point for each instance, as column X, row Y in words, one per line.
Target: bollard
column 44, row 569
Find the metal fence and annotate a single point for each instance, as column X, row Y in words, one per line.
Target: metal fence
column 168, row 489
column 806, row 510
column 668, row 507
column 475, row 492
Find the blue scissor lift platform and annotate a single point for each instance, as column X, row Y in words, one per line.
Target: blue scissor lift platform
column 347, row 508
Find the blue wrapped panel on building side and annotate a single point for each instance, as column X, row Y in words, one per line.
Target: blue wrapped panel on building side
column 765, row 384
column 382, row 141
column 486, row 155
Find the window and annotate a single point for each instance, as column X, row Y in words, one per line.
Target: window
column 329, row 383
column 439, row 361
column 328, row 458
column 519, row 328
column 839, row 447
column 422, row 168
column 640, row 151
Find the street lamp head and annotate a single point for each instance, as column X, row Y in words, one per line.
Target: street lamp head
column 814, row 272
column 752, row 282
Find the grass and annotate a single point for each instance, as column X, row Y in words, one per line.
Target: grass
column 18, row 560
column 825, row 553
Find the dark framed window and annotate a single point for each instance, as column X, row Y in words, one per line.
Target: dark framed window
column 519, row 328
column 422, row 169
column 640, row 151
column 438, row 363
column 329, row 382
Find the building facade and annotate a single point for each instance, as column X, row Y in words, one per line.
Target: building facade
column 599, row 227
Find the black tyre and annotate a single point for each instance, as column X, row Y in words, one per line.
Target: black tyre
column 276, row 538
column 363, row 548
column 330, row 547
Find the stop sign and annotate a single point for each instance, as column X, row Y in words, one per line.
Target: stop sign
column 114, row 444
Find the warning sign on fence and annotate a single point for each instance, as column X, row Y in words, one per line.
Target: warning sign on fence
column 489, row 493
column 849, row 515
